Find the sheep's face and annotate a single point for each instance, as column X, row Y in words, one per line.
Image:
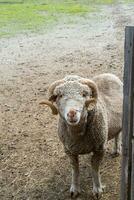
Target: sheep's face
column 71, row 98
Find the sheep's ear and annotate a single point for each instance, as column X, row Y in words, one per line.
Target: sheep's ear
column 51, row 105
column 91, row 103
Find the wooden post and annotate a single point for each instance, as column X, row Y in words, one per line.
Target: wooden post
column 127, row 175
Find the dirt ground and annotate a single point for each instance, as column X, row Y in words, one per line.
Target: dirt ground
column 33, row 163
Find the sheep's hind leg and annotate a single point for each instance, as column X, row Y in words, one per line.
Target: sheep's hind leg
column 95, row 164
column 117, row 145
column 75, row 186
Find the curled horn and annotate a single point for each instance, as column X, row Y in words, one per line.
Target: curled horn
column 53, row 108
column 52, row 97
column 91, row 84
column 51, row 89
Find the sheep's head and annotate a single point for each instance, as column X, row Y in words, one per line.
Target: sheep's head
column 72, row 97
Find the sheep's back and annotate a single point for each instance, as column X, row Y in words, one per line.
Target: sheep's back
column 111, row 91
column 109, row 84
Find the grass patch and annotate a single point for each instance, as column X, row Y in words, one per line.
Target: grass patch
column 101, row 1
column 18, row 16
column 128, row 1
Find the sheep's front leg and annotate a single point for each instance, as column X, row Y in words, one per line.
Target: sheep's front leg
column 95, row 164
column 75, row 186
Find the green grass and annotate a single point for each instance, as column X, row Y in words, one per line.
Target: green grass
column 19, row 16
column 128, row 1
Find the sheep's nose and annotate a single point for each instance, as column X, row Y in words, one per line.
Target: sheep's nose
column 71, row 113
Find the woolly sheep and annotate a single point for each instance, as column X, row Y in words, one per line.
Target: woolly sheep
column 90, row 114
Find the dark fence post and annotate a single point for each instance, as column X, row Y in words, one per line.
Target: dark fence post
column 127, row 175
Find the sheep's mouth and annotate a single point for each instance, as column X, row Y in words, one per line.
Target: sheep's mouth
column 73, row 122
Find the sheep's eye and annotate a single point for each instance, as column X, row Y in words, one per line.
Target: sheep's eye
column 84, row 94
column 60, row 96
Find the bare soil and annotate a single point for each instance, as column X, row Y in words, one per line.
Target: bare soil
column 33, row 163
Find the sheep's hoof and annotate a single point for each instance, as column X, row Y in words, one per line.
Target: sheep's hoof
column 74, row 191
column 98, row 192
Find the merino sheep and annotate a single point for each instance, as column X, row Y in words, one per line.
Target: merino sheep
column 90, row 114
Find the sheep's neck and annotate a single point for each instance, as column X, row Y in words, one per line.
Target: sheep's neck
column 81, row 128
column 77, row 130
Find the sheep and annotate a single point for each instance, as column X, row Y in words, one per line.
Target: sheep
column 90, row 114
